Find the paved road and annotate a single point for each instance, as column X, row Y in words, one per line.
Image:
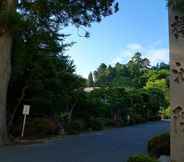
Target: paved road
column 114, row 145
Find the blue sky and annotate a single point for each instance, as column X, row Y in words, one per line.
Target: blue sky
column 140, row 25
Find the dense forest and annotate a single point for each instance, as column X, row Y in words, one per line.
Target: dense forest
column 61, row 100
column 137, row 73
column 33, row 67
column 34, row 70
column 134, row 91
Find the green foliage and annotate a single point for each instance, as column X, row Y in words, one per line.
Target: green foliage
column 101, row 75
column 42, row 75
column 137, row 73
column 45, row 78
column 167, row 113
column 158, row 78
column 130, row 93
column 11, row 21
column 135, row 92
column 58, row 91
column 75, row 127
column 53, row 15
column 96, row 124
column 90, row 80
column 159, row 145
column 136, row 119
column 141, row 158
column 81, row 12
column 41, row 127
column 145, row 105
column 137, row 67
column 121, row 107
column 158, row 84
column 177, row 5
column 129, row 76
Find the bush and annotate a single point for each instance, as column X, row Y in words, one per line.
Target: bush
column 120, row 123
column 96, row 124
column 166, row 114
column 159, row 145
column 155, row 118
column 108, row 122
column 75, row 127
column 136, row 119
column 141, row 158
column 41, row 127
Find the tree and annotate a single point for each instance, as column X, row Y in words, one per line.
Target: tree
column 161, row 66
column 101, row 75
column 39, row 25
column 5, row 63
column 177, row 5
column 90, row 80
column 118, row 103
column 159, row 79
column 130, row 75
column 48, row 86
column 136, row 70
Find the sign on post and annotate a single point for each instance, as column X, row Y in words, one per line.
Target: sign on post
column 25, row 112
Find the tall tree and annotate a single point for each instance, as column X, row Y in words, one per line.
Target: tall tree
column 136, row 67
column 177, row 5
column 101, row 75
column 90, row 80
column 40, row 23
column 6, row 38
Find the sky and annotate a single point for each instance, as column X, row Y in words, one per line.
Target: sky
column 139, row 26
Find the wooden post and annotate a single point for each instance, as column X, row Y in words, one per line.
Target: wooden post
column 176, row 31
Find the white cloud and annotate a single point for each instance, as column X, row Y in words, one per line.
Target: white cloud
column 127, row 53
column 154, row 53
column 158, row 55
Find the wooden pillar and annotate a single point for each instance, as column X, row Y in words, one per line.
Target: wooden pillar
column 176, row 31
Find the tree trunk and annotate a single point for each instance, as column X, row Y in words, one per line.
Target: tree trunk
column 13, row 114
column 71, row 113
column 5, row 69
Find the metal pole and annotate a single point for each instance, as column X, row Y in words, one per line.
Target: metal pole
column 23, row 127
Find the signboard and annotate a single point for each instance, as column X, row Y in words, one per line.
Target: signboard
column 26, row 110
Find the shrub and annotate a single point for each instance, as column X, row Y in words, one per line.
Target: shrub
column 75, row 127
column 155, row 118
column 136, row 119
column 108, row 122
column 120, row 123
column 167, row 113
column 159, row 145
column 96, row 124
column 141, row 158
column 16, row 129
column 41, row 127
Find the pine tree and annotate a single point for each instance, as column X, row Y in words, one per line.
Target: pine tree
column 39, row 24
column 90, row 80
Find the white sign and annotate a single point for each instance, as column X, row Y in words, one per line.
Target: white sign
column 26, row 110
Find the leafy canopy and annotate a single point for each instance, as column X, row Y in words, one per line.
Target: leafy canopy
column 41, row 74
column 177, row 5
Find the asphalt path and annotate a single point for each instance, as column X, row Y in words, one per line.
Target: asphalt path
column 114, row 145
